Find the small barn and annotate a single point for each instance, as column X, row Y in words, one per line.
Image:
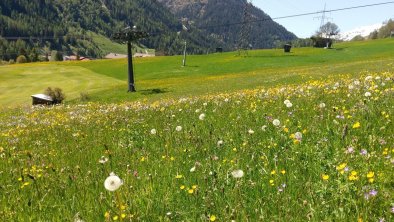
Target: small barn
column 42, row 99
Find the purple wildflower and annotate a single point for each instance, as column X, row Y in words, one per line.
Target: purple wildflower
column 363, row 152
column 373, row 193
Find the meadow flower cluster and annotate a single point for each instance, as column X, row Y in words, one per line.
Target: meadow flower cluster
column 319, row 151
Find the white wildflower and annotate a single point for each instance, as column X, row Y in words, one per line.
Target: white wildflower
column 112, row 182
column 202, row 116
column 367, row 94
column 250, row 131
column 322, row 105
column 276, row 122
column 178, row 128
column 237, row 173
column 286, row 102
column 153, row 131
column 103, row 160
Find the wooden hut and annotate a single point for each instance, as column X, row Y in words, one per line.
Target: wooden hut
column 42, row 99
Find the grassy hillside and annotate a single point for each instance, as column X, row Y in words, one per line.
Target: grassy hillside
column 164, row 77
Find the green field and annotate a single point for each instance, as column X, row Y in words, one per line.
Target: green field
column 105, row 80
column 305, row 136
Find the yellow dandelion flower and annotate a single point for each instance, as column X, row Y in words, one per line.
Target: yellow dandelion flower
column 283, row 172
column 178, row 176
column 123, row 207
column 371, row 180
column 325, row 176
column 271, row 182
column 123, row 216
column 356, row 125
column 212, row 218
column 182, row 187
column 273, row 172
column 194, row 187
column 190, row 191
column 106, row 215
column 370, row 174
column 353, row 177
column 115, row 217
column 341, row 166
column 286, row 129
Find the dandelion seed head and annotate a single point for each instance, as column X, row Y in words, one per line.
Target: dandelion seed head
column 112, row 182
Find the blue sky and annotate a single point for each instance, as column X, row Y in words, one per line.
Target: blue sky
column 307, row 25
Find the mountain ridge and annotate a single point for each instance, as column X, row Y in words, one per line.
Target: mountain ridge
column 223, row 20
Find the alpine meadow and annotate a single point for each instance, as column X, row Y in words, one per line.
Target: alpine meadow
column 237, row 135
column 305, row 136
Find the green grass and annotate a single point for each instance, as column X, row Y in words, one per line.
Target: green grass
column 164, row 77
column 54, row 161
column 177, row 142
column 109, row 46
column 19, row 82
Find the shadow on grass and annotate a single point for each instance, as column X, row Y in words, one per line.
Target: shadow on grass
column 154, row 91
column 340, row 49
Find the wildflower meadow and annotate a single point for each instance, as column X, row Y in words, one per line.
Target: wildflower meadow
column 318, row 151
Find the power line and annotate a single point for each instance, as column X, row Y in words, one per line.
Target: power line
column 298, row 15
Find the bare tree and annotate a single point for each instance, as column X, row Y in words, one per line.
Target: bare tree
column 327, row 30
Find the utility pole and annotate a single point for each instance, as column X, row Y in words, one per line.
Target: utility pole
column 184, row 55
column 128, row 36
